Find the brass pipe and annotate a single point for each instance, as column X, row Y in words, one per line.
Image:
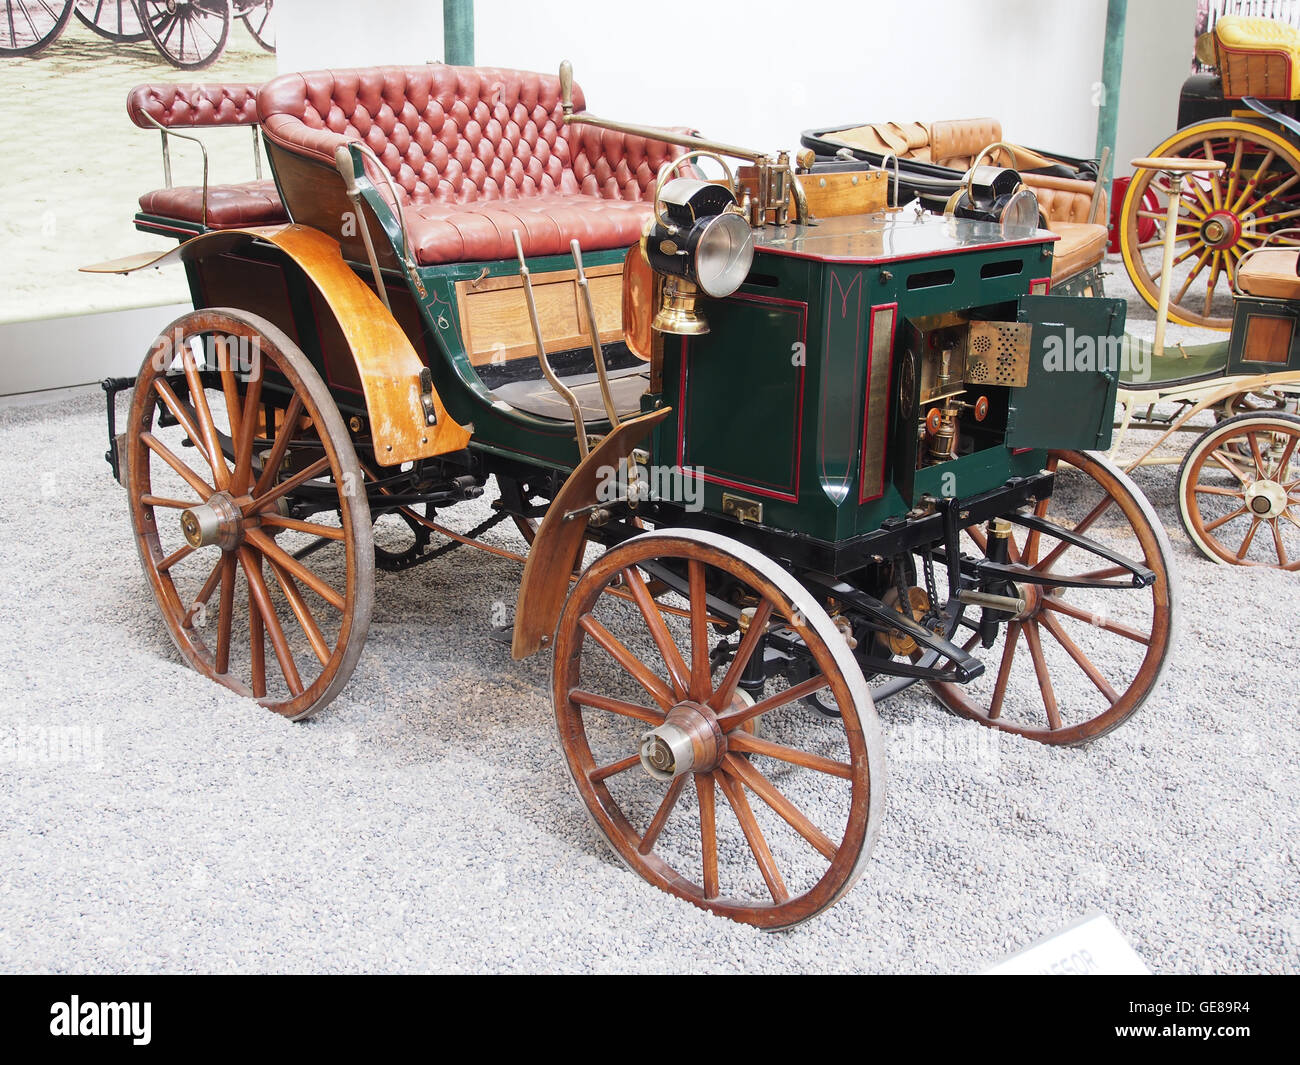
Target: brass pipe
column 579, row 425
column 668, row 136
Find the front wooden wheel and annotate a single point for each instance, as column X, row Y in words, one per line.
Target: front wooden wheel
column 1110, row 645
column 1239, row 491
column 1221, row 216
column 768, row 829
column 249, row 511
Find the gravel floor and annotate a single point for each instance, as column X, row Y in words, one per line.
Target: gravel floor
column 156, row 822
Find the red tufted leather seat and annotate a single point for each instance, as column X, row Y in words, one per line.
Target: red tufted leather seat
column 250, row 203
column 476, row 153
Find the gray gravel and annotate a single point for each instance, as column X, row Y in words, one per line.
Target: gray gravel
column 155, row 822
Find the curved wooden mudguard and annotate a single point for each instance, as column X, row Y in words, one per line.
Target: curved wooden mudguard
column 558, row 544
column 386, row 361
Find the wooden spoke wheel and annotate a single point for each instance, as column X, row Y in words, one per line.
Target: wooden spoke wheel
column 1077, row 662
column 767, row 829
column 249, row 511
column 190, row 34
column 1239, row 491
column 1221, row 216
column 27, row 26
column 116, row 20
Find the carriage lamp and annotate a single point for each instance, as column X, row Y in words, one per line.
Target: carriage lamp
column 700, row 241
column 996, row 194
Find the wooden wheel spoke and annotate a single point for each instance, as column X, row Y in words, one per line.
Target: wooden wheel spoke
column 256, row 646
column 207, row 426
column 1004, row 669
column 278, row 556
column 731, row 720
column 656, row 828
column 635, row 668
column 182, row 552
column 1051, row 602
column 1044, row 676
column 617, row 706
column 734, row 792
column 1283, row 559
column 262, row 599
column 200, row 486
column 226, row 617
column 663, row 639
column 1215, row 490
column 708, row 834
column 780, row 804
column 1249, row 538
column 1211, row 526
column 242, row 478
column 746, row 743
column 262, row 500
column 302, row 612
column 182, row 415
column 1102, row 574
column 1197, row 267
column 329, row 532
column 1279, row 471
column 701, row 667
column 205, row 593
column 1257, row 454
column 230, row 390
column 162, row 501
column 614, row 768
column 757, row 627
column 288, row 429
column 1084, row 662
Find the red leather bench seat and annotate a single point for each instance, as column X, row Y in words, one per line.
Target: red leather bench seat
column 476, row 153
column 249, row 203
column 252, row 203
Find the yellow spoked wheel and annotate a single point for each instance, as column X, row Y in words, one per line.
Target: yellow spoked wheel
column 1221, row 216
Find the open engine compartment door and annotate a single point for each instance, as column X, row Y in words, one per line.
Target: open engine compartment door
column 1075, row 351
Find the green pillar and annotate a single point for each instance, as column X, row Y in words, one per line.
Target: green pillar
column 458, row 32
column 1111, row 67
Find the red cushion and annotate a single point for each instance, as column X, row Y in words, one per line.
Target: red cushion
column 472, row 232
column 253, row 203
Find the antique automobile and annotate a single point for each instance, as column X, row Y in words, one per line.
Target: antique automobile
column 933, row 162
column 774, row 451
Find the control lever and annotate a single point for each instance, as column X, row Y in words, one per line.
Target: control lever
column 578, row 424
column 343, row 163
column 596, row 350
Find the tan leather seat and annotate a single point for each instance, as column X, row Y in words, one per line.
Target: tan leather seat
column 1081, row 245
column 1270, row 273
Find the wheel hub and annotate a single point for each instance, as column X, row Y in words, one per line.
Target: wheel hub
column 218, row 521
column 1266, row 499
column 1221, row 229
column 689, row 741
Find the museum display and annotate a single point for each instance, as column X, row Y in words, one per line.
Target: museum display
column 189, row 34
column 773, row 448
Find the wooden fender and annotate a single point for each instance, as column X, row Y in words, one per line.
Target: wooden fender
column 387, row 363
column 558, row 544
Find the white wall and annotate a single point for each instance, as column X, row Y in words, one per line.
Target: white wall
column 742, row 72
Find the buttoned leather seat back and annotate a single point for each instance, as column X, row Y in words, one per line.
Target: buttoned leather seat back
column 475, row 153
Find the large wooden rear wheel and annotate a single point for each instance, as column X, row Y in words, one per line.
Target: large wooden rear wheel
column 1239, row 491
column 768, row 828
column 1078, row 662
column 249, row 511
column 1221, row 215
